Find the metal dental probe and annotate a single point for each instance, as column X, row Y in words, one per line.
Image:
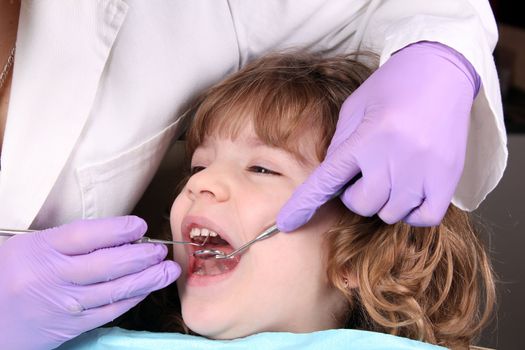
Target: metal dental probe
column 11, row 232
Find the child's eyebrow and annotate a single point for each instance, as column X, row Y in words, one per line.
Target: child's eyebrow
column 255, row 142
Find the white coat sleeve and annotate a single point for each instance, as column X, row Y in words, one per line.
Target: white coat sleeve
column 468, row 26
column 385, row 26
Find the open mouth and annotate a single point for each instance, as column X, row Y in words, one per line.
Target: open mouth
column 211, row 240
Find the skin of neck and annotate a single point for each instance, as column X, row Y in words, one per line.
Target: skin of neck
column 9, row 13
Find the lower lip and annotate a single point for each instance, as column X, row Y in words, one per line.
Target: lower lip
column 195, row 280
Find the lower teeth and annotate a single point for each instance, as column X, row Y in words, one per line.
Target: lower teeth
column 210, row 267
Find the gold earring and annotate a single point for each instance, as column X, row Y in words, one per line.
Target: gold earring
column 345, row 281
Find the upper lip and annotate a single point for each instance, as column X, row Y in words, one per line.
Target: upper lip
column 191, row 221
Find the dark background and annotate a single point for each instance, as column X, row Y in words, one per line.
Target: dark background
column 508, row 12
column 503, row 212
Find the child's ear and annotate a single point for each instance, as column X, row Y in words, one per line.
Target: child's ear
column 351, row 281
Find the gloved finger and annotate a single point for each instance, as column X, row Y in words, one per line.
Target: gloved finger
column 431, row 211
column 339, row 167
column 331, row 175
column 85, row 236
column 108, row 264
column 140, row 283
column 438, row 196
column 99, row 316
column 427, row 214
column 368, row 194
column 399, row 205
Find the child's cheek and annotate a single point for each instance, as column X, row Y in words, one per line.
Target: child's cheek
column 178, row 210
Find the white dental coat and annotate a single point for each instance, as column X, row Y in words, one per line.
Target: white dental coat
column 98, row 86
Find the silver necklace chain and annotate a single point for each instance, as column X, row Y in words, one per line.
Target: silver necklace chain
column 7, row 67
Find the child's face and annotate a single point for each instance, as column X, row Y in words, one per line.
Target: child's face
column 278, row 284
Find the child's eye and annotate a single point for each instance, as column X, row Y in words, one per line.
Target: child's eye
column 262, row 170
column 195, row 169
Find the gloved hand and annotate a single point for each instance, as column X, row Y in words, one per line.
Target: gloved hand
column 58, row 283
column 405, row 130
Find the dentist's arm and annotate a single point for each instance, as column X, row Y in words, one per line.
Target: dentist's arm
column 58, row 283
column 405, row 130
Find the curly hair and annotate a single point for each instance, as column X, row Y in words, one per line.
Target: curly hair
column 433, row 284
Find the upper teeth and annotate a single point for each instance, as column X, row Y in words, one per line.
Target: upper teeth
column 203, row 232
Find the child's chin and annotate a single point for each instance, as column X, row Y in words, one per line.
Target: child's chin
column 215, row 332
column 213, row 328
column 203, row 322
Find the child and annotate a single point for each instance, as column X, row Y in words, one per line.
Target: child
column 254, row 138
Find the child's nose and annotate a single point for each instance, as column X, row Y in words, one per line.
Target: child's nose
column 210, row 183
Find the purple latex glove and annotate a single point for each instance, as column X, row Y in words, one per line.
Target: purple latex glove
column 58, row 283
column 405, row 130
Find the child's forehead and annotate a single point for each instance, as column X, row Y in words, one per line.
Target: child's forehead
column 245, row 135
column 301, row 150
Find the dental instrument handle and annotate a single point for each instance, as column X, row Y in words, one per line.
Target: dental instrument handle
column 13, row 232
column 270, row 231
column 162, row 241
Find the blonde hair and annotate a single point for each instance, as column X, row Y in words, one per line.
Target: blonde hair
column 433, row 284
column 283, row 95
